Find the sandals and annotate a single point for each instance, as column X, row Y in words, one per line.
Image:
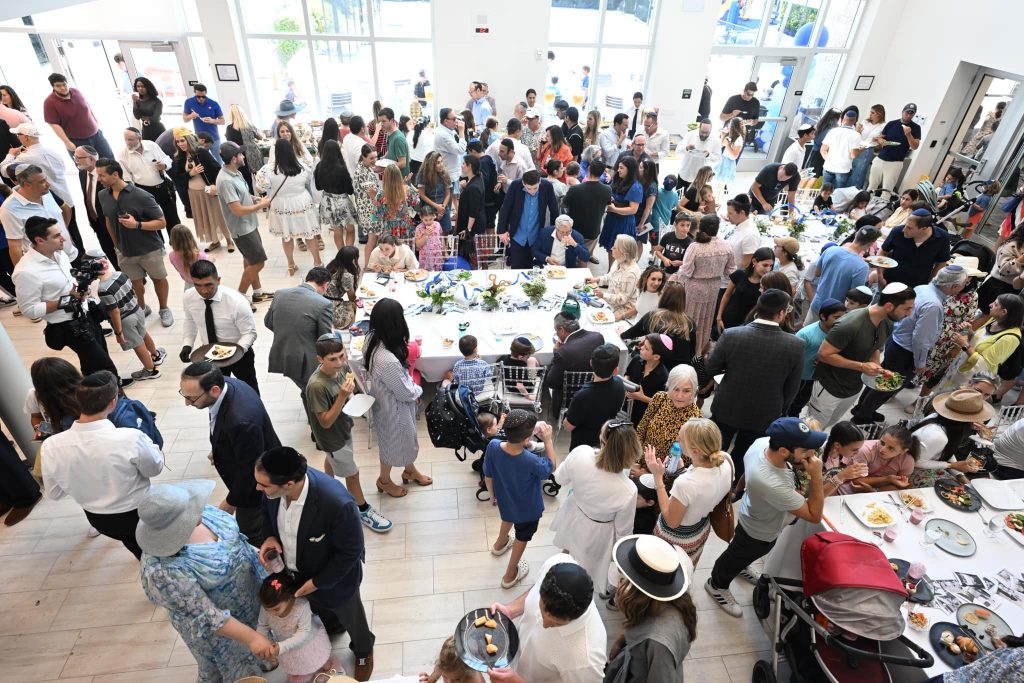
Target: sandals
column 231, row 247
column 508, row 546
column 420, row 479
column 292, row 269
column 522, row 569
column 212, row 246
column 392, row 489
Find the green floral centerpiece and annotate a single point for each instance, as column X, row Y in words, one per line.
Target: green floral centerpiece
column 535, row 289
column 763, row 223
column 490, row 297
column 844, row 226
column 439, row 293
column 796, row 226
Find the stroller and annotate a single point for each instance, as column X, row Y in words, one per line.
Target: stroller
column 831, row 627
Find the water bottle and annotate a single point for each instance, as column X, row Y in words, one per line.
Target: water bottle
column 674, row 456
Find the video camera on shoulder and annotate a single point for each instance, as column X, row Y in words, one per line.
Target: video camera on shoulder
column 88, row 270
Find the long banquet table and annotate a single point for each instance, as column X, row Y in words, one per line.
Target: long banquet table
column 494, row 330
column 991, row 556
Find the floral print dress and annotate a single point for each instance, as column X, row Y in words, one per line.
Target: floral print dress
column 366, row 184
column 958, row 312
column 344, row 308
column 203, row 586
column 395, row 223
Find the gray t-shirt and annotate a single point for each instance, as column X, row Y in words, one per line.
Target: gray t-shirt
column 771, row 494
column 142, row 207
column 231, row 187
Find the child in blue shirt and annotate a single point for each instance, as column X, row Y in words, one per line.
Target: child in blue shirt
column 661, row 213
column 472, row 371
column 813, row 335
column 513, row 476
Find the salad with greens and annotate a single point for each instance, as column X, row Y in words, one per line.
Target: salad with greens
column 888, row 381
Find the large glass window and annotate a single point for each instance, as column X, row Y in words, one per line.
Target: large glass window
column 791, row 24
column 398, row 71
column 344, row 17
column 574, row 21
column 628, row 21
column 840, row 22
column 345, row 70
column 282, row 71
column 739, row 22
column 273, row 16
column 405, row 19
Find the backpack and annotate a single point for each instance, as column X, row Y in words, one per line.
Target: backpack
column 131, row 413
column 444, row 421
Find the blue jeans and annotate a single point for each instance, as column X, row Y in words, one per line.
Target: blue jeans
column 97, row 141
column 861, row 168
column 838, row 180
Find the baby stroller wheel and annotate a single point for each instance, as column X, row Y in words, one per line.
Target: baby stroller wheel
column 762, row 600
column 551, row 487
column 482, row 494
column 763, row 673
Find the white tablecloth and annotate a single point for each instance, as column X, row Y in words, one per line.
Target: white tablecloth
column 784, row 560
column 435, row 360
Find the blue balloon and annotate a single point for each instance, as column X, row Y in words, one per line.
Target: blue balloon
column 801, row 39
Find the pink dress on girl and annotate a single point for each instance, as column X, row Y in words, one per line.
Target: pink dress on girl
column 430, row 253
column 305, row 647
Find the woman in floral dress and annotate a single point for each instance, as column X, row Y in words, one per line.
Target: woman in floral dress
column 366, row 185
column 394, row 207
column 197, row 565
column 958, row 311
column 705, row 263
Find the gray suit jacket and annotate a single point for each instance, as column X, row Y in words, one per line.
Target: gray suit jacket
column 300, row 315
column 762, row 366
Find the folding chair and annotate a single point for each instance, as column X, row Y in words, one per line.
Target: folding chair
column 340, row 101
column 490, row 252
column 363, row 383
column 1006, row 417
column 529, row 379
column 487, row 389
column 572, row 381
column 449, row 247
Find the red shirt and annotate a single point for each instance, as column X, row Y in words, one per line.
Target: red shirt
column 74, row 114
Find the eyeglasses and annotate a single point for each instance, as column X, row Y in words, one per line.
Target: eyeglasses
column 191, row 400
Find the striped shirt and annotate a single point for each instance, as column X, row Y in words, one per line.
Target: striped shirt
column 116, row 292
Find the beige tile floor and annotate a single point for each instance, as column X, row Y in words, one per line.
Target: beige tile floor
column 74, row 610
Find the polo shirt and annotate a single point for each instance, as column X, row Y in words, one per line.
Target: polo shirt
column 16, row 209
column 526, row 233
column 231, row 187
column 398, row 147
column 210, row 109
column 893, row 132
column 839, row 271
column 143, row 207
column 915, row 261
column 74, row 114
column 857, row 339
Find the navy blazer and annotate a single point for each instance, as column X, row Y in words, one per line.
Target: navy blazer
column 574, row 258
column 240, row 435
column 512, row 208
column 329, row 545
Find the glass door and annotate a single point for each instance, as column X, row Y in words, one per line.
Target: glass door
column 775, row 78
column 166, row 64
column 90, row 67
column 981, row 119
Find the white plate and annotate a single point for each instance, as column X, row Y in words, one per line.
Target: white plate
column 1015, row 535
column 861, row 511
column 556, row 273
column 609, row 317
column 881, row 262
column 925, row 507
column 420, row 278
column 358, row 405
column 503, row 328
column 369, row 294
column 997, row 494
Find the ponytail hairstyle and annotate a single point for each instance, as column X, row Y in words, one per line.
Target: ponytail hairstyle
column 842, row 434
column 905, row 438
column 703, row 435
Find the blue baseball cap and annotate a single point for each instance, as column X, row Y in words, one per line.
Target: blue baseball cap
column 792, row 432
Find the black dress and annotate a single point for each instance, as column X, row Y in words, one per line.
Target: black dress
column 650, row 384
column 682, row 347
column 149, row 112
column 744, row 297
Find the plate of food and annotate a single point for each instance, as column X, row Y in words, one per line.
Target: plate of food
column 1015, row 526
column 952, row 537
column 503, row 328
column 486, row 640
column 583, row 288
column 367, row 293
column 998, row 494
column 601, row 316
column 537, row 342
column 887, row 381
column 418, row 275
column 220, row 352
column 917, row 583
column 874, row 514
column 447, row 342
column 556, row 272
column 957, row 495
column 914, row 501
column 881, row 262
column 985, row 626
column 954, row 646
column 460, row 274
column 918, row 620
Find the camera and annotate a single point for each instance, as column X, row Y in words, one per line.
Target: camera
column 88, row 270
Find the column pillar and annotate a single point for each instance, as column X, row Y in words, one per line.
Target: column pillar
column 12, row 399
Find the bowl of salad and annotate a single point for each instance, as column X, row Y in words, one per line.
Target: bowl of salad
column 886, row 380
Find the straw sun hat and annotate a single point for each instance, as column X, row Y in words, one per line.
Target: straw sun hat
column 963, row 405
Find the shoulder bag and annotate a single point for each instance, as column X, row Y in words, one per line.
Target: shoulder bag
column 723, row 519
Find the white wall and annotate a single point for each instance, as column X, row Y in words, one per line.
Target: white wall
column 915, row 50
column 224, row 45
column 108, row 18
column 510, row 59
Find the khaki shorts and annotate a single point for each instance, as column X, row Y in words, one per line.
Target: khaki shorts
column 138, row 267
column 343, row 461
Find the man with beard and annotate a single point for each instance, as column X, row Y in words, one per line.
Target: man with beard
column 144, row 163
column 771, row 499
column 240, row 213
column 854, row 347
column 69, row 114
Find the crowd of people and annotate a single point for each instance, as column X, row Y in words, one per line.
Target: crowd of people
column 745, row 365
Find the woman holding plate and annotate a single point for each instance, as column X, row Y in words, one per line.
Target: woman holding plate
column 958, row 414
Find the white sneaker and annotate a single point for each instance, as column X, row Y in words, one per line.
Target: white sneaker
column 723, row 597
column 750, row 575
column 166, row 317
column 92, row 533
column 375, row 521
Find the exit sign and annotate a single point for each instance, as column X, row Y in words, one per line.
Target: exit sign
column 482, row 29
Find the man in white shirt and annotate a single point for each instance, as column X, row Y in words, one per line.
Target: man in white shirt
column 46, row 289
column 697, row 149
column 561, row 636
column 658, row 143
column 450, row 143
column 32, row 152
column 636, row 114
column 745, row 239
column 613, row 139
column 352, row 145
column 219, row 315
column 839, row 148
column 144, row 163
column 796, row 152
column 513, row 132
column 510, row 165
column 106, row 469
column 32, row 198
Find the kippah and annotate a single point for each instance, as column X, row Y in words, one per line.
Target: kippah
column 281, row 461
column 516, row 418
column 573, row 580
column 666, row 340
column 865, row 289
column 895, row 288
column 920, row 212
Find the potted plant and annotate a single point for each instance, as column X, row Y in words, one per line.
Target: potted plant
column 534, row 289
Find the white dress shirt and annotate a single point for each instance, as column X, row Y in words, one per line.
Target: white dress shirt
column 557, row 248
column 522, row 154
column 451, row 151
column 574, row 653
column 139, row 166
column 106, row 469
column 289, row 514
column 704, row 153
column 17, row 209
column 52, row 164
column 610, row 146
column 39, row 279
column 658, row 144
column 232, row 318
column 794, row 154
